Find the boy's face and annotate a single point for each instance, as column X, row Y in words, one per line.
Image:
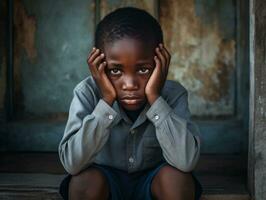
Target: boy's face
column 130, row 64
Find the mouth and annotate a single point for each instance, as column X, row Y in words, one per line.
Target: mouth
column 131, row 100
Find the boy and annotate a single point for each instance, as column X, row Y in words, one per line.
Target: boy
column 129, row 134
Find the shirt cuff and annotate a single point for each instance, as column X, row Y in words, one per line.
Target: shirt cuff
column 106, row 114
column 158, row 111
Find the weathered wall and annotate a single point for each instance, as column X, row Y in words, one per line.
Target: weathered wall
column 106, row 6
column 201, row 38
column 3, row 58
column 257, row 139
column 52, row 39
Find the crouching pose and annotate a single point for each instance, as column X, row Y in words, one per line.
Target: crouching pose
column 129, row 134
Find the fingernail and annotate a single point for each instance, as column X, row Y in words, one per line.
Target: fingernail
column 102, row 55
column 93, row 48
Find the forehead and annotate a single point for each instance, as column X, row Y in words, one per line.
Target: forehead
column 129, row 47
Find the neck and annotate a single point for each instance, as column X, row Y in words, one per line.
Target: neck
column 133, row 114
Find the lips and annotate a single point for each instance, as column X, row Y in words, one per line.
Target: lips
column 131, row 100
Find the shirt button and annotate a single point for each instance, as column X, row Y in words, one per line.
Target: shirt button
column 132, row 131
column 156, row 117
column 111, row 117
column 131, row 160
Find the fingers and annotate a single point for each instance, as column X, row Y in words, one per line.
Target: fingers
column 162, row 59
column 102, row 67
column 95, row 62
column 93, row 55
column 165, row 58
column 97, row 65
column 166, row 54
column 157, row 63
column 93, row 50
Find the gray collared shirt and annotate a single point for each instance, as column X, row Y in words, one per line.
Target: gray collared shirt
column 98, row 133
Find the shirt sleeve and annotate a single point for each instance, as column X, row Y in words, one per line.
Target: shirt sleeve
column 177, row 135
column 86, row 132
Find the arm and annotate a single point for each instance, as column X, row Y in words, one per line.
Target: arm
column 86, row 132
column 87, row 129
column 177, row 135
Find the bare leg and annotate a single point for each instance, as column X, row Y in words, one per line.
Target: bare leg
column 90, row 184
column 173, row 184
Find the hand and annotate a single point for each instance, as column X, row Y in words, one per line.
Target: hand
column 97, row 66
column 158, row 77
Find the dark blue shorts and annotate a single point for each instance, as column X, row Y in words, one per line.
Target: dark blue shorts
column 124, row 186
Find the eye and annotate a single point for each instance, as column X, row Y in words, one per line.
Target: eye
column 144, row 70
column 115, row 71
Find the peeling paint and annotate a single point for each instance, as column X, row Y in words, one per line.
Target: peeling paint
column 25, row 30
column 52, row 43
column 203, row 59
column 215, row 79
column 24, row 33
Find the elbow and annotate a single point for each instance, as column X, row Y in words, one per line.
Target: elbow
column 70, row 167
column 191, row 162
column 67, row 164
column 186, row 167
column 74, row 159
column 70, row 164
column 191, row 158
column 187, row 163
column 73, row 171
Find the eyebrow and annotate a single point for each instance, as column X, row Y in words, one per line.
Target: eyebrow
column 144, row 62
column 117, row 65
column 141, row 62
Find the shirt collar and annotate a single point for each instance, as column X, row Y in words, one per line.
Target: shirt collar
column 141, row 118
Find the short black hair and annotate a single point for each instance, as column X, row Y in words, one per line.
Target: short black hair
column 128, row 22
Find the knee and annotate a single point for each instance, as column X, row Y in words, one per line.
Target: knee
column 169, row 173
column 172, row 182
column 89, row 184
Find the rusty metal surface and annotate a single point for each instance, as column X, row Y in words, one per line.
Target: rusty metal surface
column 201, row 37
column 52, row 39
column 106, row 6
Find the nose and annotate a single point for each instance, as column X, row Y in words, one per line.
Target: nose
column 130, row 83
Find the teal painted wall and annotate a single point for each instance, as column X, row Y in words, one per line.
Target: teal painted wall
column 55, row 60
column 52, row 40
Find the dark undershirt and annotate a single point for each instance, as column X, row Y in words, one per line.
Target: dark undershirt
column 133, row 115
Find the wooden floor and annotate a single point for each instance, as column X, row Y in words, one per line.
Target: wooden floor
column 38, row 175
